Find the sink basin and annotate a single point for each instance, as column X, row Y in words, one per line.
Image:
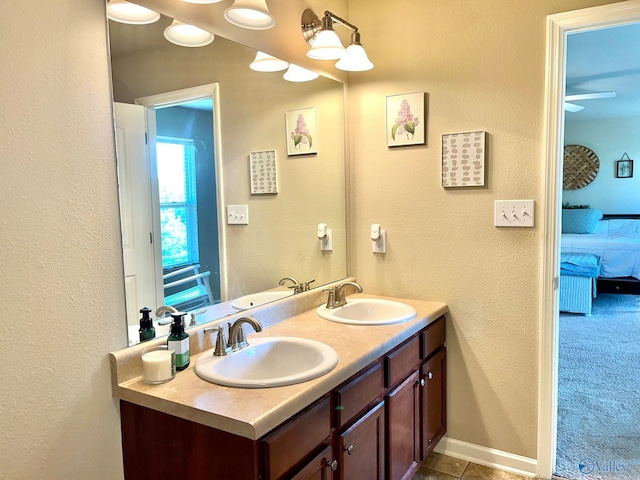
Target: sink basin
column 259, row 298
column 369, row 311
column 269, row 362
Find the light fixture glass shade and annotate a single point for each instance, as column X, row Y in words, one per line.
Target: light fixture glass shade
column 354, row 60
column 127, row 12
column 202, row 2
column 298, row 74
column 251, row 14
column 326, row 46
column 187, row 35
column 266, row 63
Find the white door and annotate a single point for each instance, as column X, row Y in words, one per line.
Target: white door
column 135, row 204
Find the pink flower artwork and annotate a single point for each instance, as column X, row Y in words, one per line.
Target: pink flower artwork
column 406, row 123
column 405, row 119
column 301, row 135
column 301, row 131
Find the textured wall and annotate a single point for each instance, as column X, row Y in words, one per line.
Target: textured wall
column 482, row 67
column 609, row 138
column 61, row 288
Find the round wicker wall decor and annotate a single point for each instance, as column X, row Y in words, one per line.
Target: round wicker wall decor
column 581, row 167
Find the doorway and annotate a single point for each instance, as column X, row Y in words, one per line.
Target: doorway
column 558, row 28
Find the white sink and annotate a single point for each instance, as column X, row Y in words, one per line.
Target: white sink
column 369, row 311
column 268, row 362
column 259, row 298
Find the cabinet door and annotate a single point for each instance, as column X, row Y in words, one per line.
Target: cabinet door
column 320, row 468
column 361, row 447
column 403, row 432
column 434, row 417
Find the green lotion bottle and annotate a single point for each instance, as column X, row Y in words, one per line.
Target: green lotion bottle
column 147, row 330
column 179, row 341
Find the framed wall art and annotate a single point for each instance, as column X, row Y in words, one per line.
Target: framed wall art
column 263, row 168
column 624, row 167
column 302, row 136
column 405, row 123
column 463, row 159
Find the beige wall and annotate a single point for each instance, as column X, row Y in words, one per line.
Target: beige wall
column 482, row 67
column 61, row 286
column 62, row 275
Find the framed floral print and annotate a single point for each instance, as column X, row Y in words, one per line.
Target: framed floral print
column 405, row 119
column 302, row 136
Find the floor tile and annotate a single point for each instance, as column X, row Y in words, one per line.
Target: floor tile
column 444, row 464
column 428, row 474
column 480, row 472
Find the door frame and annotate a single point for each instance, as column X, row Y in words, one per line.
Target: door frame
column 177, row 97
column 558, row 27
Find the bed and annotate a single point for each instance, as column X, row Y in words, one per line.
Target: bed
column 616, row 241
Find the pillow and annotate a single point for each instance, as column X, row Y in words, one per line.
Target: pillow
column 580, row 220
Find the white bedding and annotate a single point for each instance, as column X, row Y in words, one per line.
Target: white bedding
column 616, row 242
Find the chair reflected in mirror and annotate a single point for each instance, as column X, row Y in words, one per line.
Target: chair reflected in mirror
column 187, row 288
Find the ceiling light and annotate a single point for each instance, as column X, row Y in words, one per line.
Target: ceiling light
column 127, row 12
column 355, row 58
column 266, row 63
column 202, row 2
column 251, row 14
column 326, row 45
column 298, row 74
column 187, row 35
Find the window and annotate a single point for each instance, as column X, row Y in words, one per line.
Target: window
column 178, row 202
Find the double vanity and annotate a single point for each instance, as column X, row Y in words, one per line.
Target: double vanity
column 354, row 392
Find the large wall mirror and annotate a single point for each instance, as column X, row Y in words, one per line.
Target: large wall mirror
column 204, row 114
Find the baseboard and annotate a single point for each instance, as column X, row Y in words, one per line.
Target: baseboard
column 489, row 457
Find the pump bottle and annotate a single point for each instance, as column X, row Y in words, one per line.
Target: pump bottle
column 147, row 330
column 179, row 341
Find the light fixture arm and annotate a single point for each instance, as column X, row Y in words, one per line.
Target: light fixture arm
column 341, row 21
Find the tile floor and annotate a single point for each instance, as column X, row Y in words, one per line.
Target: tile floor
column 441, row 467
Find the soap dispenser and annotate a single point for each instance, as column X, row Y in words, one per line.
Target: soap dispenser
column 147, row 330
column 179, row 341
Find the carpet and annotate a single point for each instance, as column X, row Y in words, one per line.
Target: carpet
column 598, row 391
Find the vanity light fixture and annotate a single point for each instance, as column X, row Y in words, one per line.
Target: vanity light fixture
column 266, row 63
column 298, row 74
column 326, row 45
column 251, row 14
column 186, row 35
column 127, row 12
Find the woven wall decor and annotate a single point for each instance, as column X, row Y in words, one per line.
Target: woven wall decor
column 581, row 167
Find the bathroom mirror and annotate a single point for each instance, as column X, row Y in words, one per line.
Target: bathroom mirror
column 280, row 239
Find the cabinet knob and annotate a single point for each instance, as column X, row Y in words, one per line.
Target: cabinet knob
column 333, row 465
column 349, row 449
column 422, row 382
column 430, row 375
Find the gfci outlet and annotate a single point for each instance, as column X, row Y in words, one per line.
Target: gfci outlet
column 237, row 215
column 379, row 245
column 514, row 213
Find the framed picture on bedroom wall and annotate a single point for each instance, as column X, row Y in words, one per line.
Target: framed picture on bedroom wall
column 624, row 168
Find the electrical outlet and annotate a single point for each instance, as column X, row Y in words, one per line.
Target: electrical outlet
column 380, row 244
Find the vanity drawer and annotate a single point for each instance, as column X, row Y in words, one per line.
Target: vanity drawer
column 292, row 442
column 399, row 363
column 357, row 394
column 433, row 337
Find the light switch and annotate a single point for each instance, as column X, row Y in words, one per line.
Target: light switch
column 237, row 215
column 514, row 213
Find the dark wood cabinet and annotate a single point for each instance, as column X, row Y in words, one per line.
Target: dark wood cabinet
column 403, row 429
column 321, row 467
column 361, row 447
column 379, row 424
column 433, row 401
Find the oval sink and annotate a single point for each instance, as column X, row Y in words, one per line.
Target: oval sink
column 259, row 298
column 369, row 311
column 269, row 362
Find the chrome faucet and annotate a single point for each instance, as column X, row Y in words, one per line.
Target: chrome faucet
column 161, row 311
column 336, row 294
column 297, row 287
column 237, row 337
